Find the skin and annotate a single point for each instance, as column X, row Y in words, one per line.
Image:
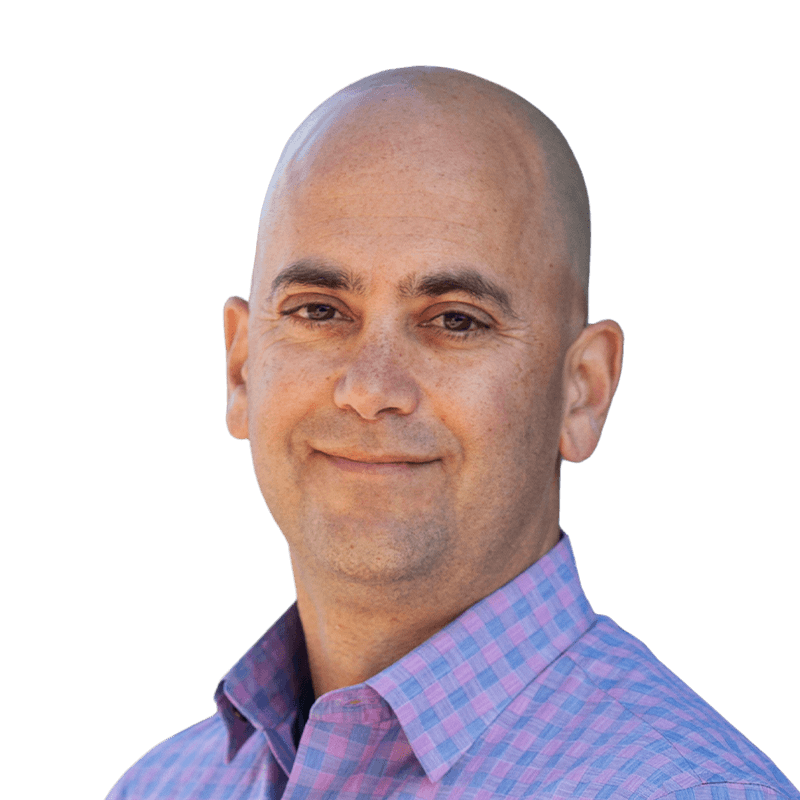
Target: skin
column 407, row 436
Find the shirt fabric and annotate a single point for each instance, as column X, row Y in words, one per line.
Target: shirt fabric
column 528, row 693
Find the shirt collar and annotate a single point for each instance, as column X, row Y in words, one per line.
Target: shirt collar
column 447, row 691
column 265, row 688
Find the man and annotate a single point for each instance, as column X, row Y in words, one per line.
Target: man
column 412, row 366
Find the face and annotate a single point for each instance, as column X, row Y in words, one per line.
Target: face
column 406, row 335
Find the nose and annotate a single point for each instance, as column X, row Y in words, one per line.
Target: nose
column 377, row 379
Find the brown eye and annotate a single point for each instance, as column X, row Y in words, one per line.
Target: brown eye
column 458, row 325
column 313, row 315
column 319, row 311
column 454, row 321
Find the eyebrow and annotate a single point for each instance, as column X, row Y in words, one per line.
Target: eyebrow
column 465, row 279
column 309, row 272
column 314, row 273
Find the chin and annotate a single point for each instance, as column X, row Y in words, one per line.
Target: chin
column 367, row 551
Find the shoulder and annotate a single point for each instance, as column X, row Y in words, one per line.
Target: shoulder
column 158, row 772
column 612, row 721
column 727, row 791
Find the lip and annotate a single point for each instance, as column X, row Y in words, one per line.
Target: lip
column 377, row 464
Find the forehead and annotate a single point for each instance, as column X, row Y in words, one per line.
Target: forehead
column 413, row 185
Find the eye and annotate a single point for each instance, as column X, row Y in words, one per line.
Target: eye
column 458, row 322
column 312, row 312
column 318, row 311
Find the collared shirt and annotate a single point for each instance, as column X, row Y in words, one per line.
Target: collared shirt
column 528, row 693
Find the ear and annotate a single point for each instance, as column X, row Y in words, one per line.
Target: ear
column 591, row 373
column 237, row 314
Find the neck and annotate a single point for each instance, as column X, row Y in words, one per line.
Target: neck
column 355, row 631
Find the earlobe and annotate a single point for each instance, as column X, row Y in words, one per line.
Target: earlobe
column 236, row 414
column 591, row 373
column 237, row 314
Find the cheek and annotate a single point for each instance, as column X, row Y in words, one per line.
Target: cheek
column 511, row 413
column 478, row 406
column 285, row 385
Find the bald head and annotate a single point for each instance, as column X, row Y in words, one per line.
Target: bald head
column 418, row 317
column 428, row 121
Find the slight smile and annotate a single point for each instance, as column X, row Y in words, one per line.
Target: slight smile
column 377, row 465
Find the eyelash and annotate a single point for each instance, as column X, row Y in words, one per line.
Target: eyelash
column 480, row 328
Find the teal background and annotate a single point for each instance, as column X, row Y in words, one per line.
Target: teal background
column 140, row 140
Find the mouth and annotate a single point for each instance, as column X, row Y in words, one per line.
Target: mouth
column 377, row 464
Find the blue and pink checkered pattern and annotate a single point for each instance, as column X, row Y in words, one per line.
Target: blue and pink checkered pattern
column 526, row 694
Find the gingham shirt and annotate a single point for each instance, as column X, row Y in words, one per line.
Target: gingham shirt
column 526, row 694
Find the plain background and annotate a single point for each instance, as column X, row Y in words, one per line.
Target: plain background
column 140, row 561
